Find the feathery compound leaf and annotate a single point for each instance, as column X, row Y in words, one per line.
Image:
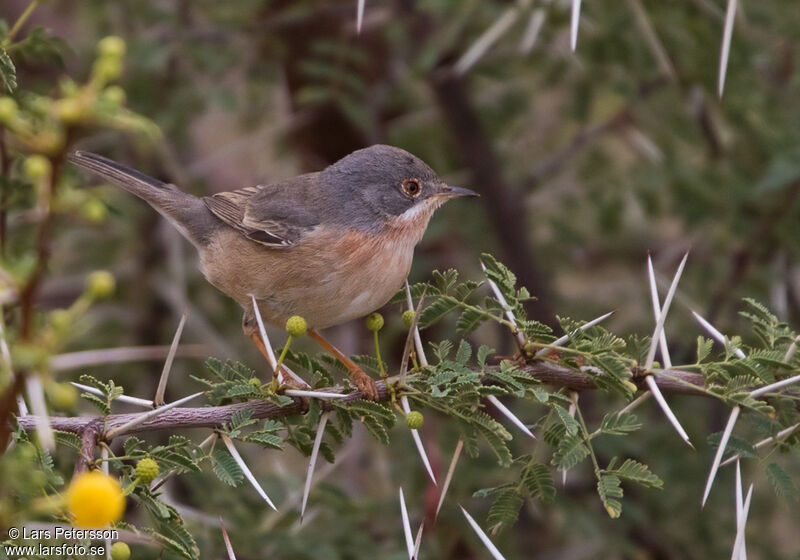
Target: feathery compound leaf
column 265, row 439
column 539, row 482
column 704, row 346
column 8, row 73
column 505, row 509
column 638, row 472
column 570, row 424
column 618, row 424
column 782, row 484
column 608, row 487
column 226, row 468
column 570, row 451
column 435, row 311
column 68, row 439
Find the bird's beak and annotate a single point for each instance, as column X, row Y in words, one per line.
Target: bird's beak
column 453, row 192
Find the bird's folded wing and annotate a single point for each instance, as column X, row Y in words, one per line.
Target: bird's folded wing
column 276, row 215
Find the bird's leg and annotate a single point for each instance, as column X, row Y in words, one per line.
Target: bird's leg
column 361, row 380
column 288, row 380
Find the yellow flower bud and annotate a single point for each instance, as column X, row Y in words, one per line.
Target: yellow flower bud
column 8, row 109
column 114, row 95
column 106, row 69
column 111, row 47
column 37, row 167
column 120, row 551
column 147, row 470
column 69, row 111
column 95, row 499
column 414, row 420
column 296, row 326
column 94, row 210
column 100, row 284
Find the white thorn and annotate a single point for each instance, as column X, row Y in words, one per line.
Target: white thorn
column 418, row 441
column 228, row 546
column 482, row 536
column 651, row 384
column 727, row 33
column 507, row 308
column 738, row 493
column 777, row 437
column 486, row 40
column 406, row 526
column 636, row 402
column 574, row 20
column 450, row 470
column 35, row 391
column 423, row 360
column 662, row 316
column 773, row 386
column 270, row 353
column 532, row 31
column 144, row 403
column 173, row 349
column 418, row 540
column 360, row 15
column 723, row 443
column 651, row 275
column 739, row 548
column 145, row 416
column 564, row 339
column 510, row 415
column 246, row 470
column 323, row 419
column 573, row 406
column 718, row 336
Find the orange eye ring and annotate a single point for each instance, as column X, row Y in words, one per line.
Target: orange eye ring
column 411, row 187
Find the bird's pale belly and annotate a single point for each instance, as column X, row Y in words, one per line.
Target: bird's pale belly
column 326, row 280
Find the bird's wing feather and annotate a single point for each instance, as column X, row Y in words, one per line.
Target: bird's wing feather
column 276, row 215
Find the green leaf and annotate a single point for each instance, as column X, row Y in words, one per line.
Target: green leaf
column 266, row 439
column 638, row 472
column 8, row 73
column 98, row 402
column 469, row 320
column 608, row 487
column 618, row 424
column 704, row 346
column 226, row 468
column 570, row 424
column 570, row 451
column 464, row 352
column 505, row 509
column 68, row 439
column 539, row 482
column 435, row 312
column 781, row 482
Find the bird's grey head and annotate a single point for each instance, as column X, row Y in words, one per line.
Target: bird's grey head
column 383, row 184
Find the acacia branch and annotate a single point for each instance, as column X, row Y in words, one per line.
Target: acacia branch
column 672, row 381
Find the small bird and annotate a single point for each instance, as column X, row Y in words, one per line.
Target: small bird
column 329, row 246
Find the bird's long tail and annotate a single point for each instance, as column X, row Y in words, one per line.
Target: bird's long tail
column 185, row 211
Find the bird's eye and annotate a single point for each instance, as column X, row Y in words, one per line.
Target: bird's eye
column 412, row 187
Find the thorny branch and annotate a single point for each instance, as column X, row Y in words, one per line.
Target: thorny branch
column 672, row 381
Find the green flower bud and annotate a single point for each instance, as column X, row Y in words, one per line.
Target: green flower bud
column 147, row 470
column 106, row 69
column 28, row 356
column 111, row 47
column 94, row 210
column 414, row 420
column 408, row 318
column 374, row 322
column 37, row 167
column 63, row 396
column 69, row 111
column 8, row 109
column 114, row 95
column 120, row 551
column 296, row 326
column 100, row 284
column 255, row 382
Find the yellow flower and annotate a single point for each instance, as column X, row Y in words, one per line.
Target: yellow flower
column 95, row 499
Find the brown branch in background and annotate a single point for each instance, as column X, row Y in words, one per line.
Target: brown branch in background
column 759, row 245
column 673, row 381
column 503, row 204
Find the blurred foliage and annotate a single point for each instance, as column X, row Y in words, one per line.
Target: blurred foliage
column 618, row 149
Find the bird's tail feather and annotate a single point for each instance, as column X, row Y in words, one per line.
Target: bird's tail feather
column 185, row 211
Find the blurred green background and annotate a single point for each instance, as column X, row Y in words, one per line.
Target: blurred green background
column 586, row 162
